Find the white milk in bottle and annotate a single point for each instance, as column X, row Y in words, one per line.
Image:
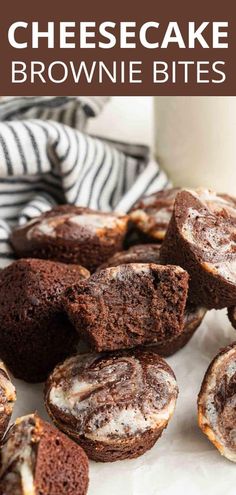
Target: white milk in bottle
column 195, row 140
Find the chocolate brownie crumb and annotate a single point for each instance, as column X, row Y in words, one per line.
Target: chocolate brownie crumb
column 193, row 317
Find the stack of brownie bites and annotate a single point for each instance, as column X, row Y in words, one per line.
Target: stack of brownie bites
column 92, row 305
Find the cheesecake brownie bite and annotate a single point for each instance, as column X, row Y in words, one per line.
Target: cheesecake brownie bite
column 217, row 401
column 37, row 459
column 193, row 317
column 151, row 214
column 71, row 234
column 141, row 253
column 115, row 406
column 7, row 399
column 128, row 305
column 35, row 333
column 202, row 239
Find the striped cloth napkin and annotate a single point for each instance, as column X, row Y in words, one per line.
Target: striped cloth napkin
column 47, row 158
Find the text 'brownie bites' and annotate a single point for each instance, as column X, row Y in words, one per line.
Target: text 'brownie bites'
column 129, row 305
column 7, row 399
column 71, row 234
column 202, row 239
column 115, row 406
column 35, row 333
column 217, row 402
column 151, row 215
column 37, row 459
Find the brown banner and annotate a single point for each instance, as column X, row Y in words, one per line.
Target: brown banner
column 186, row 62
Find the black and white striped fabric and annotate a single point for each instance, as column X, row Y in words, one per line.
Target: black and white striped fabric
column 47, row 158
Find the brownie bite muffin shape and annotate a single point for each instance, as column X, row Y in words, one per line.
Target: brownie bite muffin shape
column 193, row 317
column 71, row 234
column 151, row 214
column 115, row 406
column 217, row 402
column 141, row 253
column 35, row 333
column 37, row 459
column 7, row 399
column 202, row 239
column 128, row 305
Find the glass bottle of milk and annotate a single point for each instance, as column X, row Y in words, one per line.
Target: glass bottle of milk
column 195, row 140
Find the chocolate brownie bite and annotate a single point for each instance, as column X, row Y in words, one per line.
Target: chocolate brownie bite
column 71, row 234
column 35, row 333
column 141, row 253
column 115, row 406
column 7, row 399
column 37, row 459
column 151, row 214
column 216, row 402
column 193, row 317
column 129, row 305
column 202, row 239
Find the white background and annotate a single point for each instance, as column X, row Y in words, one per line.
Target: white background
column 126, row 119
